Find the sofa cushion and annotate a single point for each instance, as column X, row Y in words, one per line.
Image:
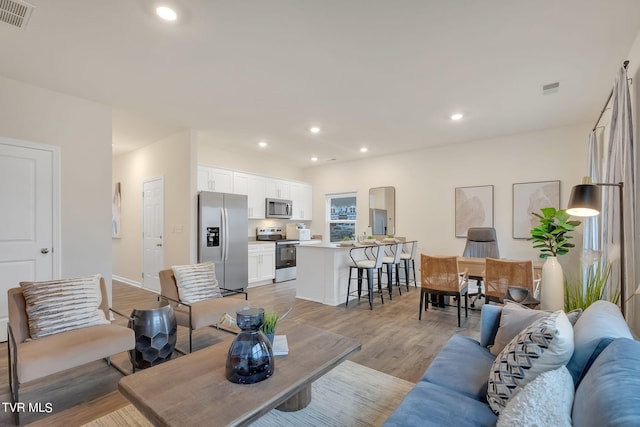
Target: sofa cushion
column 207, row 312
column 545, row 401
column 602, row 319
column 196, row 282
column 55, row 353
column 515, row 317
column 463, row 366
column 545, row 345
column 57, row 306
column 609, row 394
column 429, row 404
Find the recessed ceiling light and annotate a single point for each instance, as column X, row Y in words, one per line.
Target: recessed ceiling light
column 364, row 149
column 456, row 116
column 314, row 159
column 262, row 144
column 314, row 129
column 166, row 13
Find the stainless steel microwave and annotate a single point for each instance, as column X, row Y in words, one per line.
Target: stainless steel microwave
column 278, row 208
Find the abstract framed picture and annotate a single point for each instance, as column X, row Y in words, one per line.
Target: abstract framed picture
column 474, row 208
column 531, row 197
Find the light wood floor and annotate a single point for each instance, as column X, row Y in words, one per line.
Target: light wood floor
column 393, row 341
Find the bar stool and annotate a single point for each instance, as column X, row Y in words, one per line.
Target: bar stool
column 371, row 262
column 393, row 252
column 408, row 257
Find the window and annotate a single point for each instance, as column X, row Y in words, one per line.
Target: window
column 341, row 216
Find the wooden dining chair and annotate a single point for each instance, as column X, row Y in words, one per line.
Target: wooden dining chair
column 441, row 276
column 501, row 274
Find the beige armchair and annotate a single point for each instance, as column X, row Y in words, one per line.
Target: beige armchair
column 32, row 359
column 199, row 314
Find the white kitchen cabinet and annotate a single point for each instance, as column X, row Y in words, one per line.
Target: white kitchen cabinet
column 301, row 196
column 254, row 187
column 213, row 179
column 262, row 262
column 278, row 189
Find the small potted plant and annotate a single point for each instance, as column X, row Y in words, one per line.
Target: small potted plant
column 269, row 325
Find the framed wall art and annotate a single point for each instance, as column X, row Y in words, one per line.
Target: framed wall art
column 531, row 197
column 474, row 208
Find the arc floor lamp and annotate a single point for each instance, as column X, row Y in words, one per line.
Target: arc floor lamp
column 585, row 200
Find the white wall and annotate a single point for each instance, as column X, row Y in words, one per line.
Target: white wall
column 425, row 181
column 174, row 159
column 82, row 130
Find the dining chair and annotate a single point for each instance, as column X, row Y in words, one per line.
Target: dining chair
column 369, row 259
column 502, row 274
column 481, row 243
column 441, row 276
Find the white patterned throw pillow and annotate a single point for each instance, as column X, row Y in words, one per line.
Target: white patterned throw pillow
column 545, row 401
column 63, row 305
column 545, row 345
column 196, row 282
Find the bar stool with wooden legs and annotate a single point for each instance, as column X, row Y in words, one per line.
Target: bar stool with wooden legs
column 367, row 259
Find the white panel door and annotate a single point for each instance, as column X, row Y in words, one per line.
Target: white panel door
column 152, row 232
column 26, row 219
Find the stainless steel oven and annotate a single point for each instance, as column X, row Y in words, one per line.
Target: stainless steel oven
column 285, row 252
column 286, row 260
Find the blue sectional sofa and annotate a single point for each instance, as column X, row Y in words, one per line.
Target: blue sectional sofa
column 605, row 367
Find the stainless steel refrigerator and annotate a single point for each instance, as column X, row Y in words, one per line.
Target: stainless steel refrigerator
column 223, row 236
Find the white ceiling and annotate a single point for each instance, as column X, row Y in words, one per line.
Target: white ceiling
column 385, row 74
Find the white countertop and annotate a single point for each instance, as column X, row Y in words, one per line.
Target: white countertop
column 325, row 246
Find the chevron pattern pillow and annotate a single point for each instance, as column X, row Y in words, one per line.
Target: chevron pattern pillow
column 545, row 345
column 196, row 282
column 63, row 305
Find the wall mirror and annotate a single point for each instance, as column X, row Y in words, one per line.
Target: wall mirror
column 382, row 210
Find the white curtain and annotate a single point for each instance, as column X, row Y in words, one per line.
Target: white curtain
column 618, row 165
column 611, row 160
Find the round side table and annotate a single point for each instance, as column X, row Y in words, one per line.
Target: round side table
column 156, row 331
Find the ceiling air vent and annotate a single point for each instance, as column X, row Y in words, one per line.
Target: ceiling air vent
column 15, row 12
column 550, row 88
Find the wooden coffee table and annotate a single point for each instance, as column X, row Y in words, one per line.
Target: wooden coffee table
column 193, row 390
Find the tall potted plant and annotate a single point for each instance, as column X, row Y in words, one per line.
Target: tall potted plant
column 551, row 237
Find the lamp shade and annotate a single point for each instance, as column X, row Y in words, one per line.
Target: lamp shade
column 584, row 200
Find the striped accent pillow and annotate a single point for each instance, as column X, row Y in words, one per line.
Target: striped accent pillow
column 196, row 282
column 63, row 305
column 545, row 345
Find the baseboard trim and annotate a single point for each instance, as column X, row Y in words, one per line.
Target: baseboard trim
column 126, row 281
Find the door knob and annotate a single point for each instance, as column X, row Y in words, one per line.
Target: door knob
column 159, row 245
column 44, row 251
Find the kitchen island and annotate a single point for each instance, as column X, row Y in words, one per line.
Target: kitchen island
column 323, row 272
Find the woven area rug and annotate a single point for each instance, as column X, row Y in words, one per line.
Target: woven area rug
column 348, row 395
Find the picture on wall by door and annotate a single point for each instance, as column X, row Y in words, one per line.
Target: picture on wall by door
column 531, row 197
column 474, row 208
column 115, row 212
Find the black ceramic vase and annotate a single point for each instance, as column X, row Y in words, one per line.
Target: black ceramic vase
column 250, row 358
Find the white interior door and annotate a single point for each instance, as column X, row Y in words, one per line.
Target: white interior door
column 26, row 219
column 152, row 232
